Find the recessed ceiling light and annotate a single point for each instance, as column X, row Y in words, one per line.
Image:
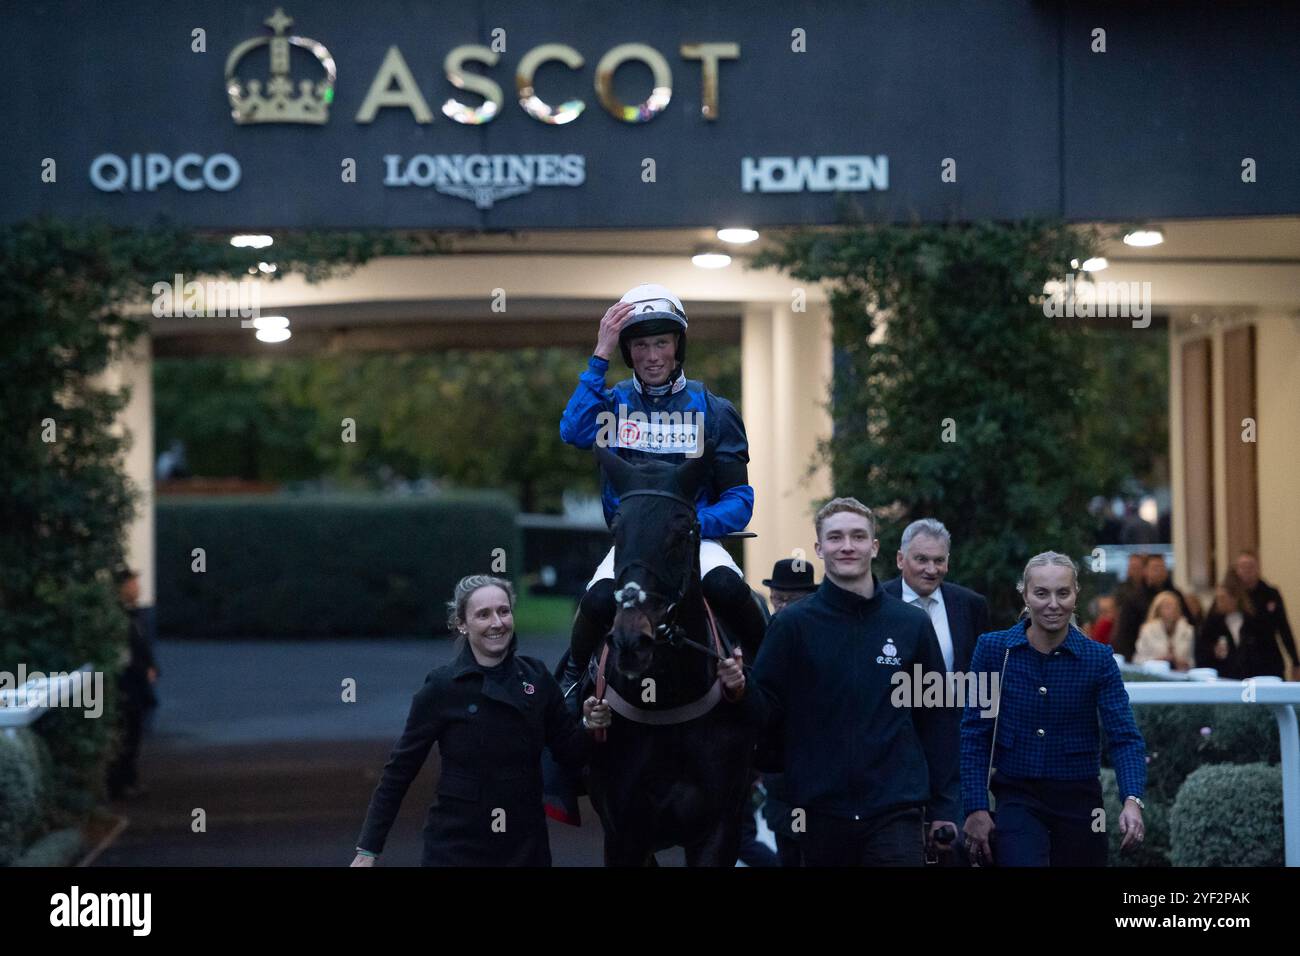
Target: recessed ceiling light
column 271, row 322
column 1095, row 264
column 272, row 335
column 1144, row 237
column 712, row 260
column 249, row 241
column 737, row 235
column 267, row 267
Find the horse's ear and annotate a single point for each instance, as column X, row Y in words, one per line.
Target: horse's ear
column 692, row 472
column 619, row 472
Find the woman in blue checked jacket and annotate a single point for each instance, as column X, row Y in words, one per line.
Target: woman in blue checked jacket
column 1039, row 751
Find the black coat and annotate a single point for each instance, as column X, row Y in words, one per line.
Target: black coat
column 1266, row 657
column 823, row 681
column 968, row 618
column 490, row 726
column 133, row 681
column 1240, row 660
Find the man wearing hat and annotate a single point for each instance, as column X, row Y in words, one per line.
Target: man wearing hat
column 648, row 326
column 791, row 581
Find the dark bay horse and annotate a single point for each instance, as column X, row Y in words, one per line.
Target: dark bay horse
column 674, row 769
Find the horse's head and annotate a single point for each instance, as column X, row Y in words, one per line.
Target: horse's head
column 656, row 552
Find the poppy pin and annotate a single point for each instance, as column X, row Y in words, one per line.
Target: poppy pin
column 528, row 688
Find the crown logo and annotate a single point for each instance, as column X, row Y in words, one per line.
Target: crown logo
column 275, row 102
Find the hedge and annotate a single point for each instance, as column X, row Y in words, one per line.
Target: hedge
column 1181, row 737
column 1154, row 849
column 60, row 848
column 336, row 565
column 1183, row 740
column 1228, row 815
column 20, row 795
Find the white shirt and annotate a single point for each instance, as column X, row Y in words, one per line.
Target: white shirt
column 1234, row 621
column 938, row 617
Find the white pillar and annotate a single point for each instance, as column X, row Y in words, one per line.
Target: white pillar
column 785, row 376
column 1277, row 397
column 135, row 371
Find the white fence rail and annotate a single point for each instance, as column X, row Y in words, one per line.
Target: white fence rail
column 22, row 706
column 1279, row 697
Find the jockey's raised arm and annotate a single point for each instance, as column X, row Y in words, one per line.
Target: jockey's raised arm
column 579, row 425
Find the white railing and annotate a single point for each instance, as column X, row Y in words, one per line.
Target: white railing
column 1271, row 692
column 17, row 708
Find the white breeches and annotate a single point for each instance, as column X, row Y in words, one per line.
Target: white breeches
column 712, row 555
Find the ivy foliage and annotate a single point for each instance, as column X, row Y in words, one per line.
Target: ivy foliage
column 956, row 397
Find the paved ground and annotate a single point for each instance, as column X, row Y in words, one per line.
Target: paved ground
column 256, row 734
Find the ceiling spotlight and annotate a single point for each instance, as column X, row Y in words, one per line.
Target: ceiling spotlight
column 272, row 335
column 1095, row 264
column 251, row 241
column 1144, row 237
column 271, row 322
column 737, row 235
column 267, row 267
column 711, row 260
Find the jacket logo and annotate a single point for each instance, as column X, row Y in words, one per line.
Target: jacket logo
column 528, row 688
column 664, row 433
column 889, row 654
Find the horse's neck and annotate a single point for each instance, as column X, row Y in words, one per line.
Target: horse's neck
column 690, row 611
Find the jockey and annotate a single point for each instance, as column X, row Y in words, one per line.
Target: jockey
column 648, row 325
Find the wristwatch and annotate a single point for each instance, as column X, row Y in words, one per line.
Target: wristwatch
column 1137, row 800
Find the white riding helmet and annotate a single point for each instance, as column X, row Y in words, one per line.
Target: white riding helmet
column 655, row 310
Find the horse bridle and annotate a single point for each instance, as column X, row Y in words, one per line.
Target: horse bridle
column 632, row 595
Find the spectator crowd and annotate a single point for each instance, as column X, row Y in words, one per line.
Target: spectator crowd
column 1245, row 632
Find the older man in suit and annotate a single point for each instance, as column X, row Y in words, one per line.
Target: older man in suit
column 959, row 616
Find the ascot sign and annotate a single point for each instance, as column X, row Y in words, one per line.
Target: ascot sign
column 394, row 86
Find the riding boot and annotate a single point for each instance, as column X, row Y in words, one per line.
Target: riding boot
column 593, row 621
column 733, row 602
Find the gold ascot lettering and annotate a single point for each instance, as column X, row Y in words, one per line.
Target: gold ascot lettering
column 710, row 54
column 394, row 84
column 407, row 93
column 533, row 105
column 490, row 90
column 659, row 96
